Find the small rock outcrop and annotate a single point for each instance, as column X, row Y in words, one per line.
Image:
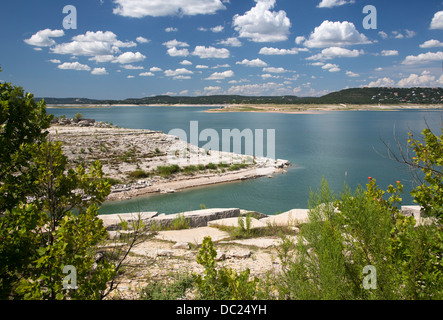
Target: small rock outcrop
column 81, row 122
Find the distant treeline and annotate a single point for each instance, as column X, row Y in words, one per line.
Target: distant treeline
column 381, row 95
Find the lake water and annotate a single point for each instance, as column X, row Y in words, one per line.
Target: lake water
column 343, row 147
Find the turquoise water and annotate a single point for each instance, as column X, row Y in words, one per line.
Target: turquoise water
column 344, row 147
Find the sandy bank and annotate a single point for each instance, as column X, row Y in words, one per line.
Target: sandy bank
column 316, row 109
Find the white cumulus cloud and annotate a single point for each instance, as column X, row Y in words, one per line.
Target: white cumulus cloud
column 260, row 24
column 414, row 80
column 155, row 69
column 159, row 8
column 142, row 40
column 99, row 71
column 352, row 74
column 431, row 44
column 175, row 43
column 231, row 42
column 387, row 53
column 171, row 29
column 146, row 74
column 336, row 52
column 42, row 38
column 93, row 44
column 129, row 57
column 382, row 82
column 174, row 52
column 330, row 34
column 212, row 90
column 102, row 58
column 186, row 63
column 331, row 67
column 423, row 58
column 275, row 51
column 131, row 67
column 178, row 73
column 252, row 63
column 74, row 66
column 274, row 70
column 217, row 29
column 333, row 3
column 221, row 75
column 211, row 52
column 437, row 21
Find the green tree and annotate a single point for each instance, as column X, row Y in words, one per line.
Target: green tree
column 222, row 283
column 22, row 125
column 48, row 214
column 429, row 159
column 47, row 236
column 348, row 232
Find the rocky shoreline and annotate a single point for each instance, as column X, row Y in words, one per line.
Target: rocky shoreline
column 131, row 158
column 166, row 255
column 169, row 254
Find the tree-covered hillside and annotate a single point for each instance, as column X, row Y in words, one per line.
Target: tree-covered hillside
column 372, row 96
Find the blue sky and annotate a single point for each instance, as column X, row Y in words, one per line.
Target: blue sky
column 131, row 48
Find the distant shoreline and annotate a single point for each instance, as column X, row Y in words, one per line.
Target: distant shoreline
column 86, row 106
column 268, row 108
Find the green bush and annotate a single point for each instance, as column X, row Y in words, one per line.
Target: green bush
column 112, row 181
column 244, row 227
column 180, row 222
column 211, row 166
column 224, row 283
column 138, row 174
column 237, row 166
column 166, row 171
column 189, row 170
column 348, row 232
column 160, row 290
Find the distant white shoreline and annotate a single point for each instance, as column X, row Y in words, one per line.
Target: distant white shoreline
column 325, row 107
column 51, row 106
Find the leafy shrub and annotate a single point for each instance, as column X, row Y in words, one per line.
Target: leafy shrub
column 346, row 233
column 138, row 174
column 112, row 181
column 166, row 171
column 189, row 170
column 224, row 283
column 180, row 222
column 211, row 166
column 160, row 290
column 78, row 116
column 237, row 166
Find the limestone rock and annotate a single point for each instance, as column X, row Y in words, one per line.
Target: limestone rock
column 181, row 245
column 239, row 254
column 114, row 235
column 289, row 218
column 164, row 253
column 233, row 222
